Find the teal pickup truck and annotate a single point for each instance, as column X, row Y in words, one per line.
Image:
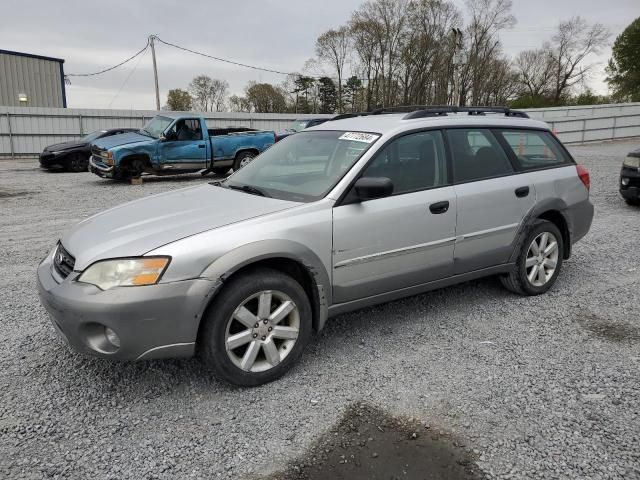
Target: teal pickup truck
column 177, row 143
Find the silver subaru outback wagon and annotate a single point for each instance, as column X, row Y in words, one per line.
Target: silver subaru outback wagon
column 354, row 212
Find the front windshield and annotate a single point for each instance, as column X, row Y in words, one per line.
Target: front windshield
column 156, row 126
column 92, row 136
column 298, row 125
column 303, row 167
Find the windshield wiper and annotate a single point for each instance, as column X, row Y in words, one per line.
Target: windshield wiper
column 146, row 132
column 249, row 189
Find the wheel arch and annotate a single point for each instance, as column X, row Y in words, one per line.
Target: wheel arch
column 241, row 150
column 288, row 257
column 130, row 157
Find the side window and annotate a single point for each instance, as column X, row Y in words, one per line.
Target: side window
column 477, row 155
column 534, row 149
column 188, row 129
column 412, row 162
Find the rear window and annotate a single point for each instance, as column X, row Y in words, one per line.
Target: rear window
column 534, row 149
column 477, row 155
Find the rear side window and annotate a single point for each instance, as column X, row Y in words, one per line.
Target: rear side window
column 477, row 154
column 534, row 149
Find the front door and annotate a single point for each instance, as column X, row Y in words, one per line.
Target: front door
column 492, row 198
column 184, row 147
column 402, row 240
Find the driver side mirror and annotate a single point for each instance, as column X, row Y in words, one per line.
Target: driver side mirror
column 368, row 188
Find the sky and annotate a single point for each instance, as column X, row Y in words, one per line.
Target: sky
column 278, row 34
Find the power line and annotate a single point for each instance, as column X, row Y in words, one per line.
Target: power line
column 127, row 79
column 110, row 68
column 224, row 59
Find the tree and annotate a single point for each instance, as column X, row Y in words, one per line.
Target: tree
column 179, row 100
column 303, row 87
column 353, row 93
column 333, row 47
column 239, row 104
column 265, row 98
column 208, row 94
column 535, row 71
column 624, row 66
column 574, row 41
column 327, row 95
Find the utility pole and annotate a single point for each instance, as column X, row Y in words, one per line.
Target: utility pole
column 155, row 70
column 456, row 60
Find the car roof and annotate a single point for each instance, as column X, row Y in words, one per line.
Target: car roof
column 395, row 123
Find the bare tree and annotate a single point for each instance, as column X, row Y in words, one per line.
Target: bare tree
column 535, row 70
column 574, row 41
column 333, row 47
column 218, row 94
column 208, row 93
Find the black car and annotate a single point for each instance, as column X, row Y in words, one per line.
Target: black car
column 630, row 178
column 299, row 125
column 74, row 156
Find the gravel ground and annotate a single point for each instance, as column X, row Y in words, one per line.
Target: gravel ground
column 545, row 387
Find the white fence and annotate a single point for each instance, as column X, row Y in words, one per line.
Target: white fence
column 26, row 131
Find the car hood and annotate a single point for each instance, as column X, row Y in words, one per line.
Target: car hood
column 137, row 227
column 122, row 139
column 64, row 146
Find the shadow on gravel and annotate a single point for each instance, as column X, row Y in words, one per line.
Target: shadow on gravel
column 369, row 444
column 608, row 329
column 13, row 193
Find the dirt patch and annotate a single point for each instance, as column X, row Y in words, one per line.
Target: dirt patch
column 12, row 193
column 608, row 329
column 369, row 444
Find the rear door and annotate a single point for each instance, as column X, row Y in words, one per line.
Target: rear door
column 493, row 199
column 402, row 240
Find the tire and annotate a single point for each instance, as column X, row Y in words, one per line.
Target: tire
column 77, row 162
column 519, row 280
column 634, row 202
column 242, row 159
column 232, row 315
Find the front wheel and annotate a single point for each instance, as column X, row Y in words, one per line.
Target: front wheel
column 243, row 159
column 256, row 328
column 539, row 261
column 634, row 202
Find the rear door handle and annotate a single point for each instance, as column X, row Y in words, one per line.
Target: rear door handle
column 439, row 207
column 522, row 192
column 201, row 145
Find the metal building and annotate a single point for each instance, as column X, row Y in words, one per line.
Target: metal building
column 28, row 80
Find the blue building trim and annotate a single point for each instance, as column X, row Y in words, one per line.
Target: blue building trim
column 31, row 55
column 62, row 84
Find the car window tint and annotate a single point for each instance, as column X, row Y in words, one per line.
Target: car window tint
column 412, row 162
column 476, row 155
column 534, row 149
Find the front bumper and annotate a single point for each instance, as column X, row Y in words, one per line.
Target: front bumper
column 155, row 321
column 632, row 177
column 50, row 159
column 97, row 166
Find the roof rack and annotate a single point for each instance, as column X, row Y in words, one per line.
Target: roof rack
column 423, row 111
column 436, row 111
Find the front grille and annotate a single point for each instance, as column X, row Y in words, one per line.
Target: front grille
column 98, row 152
column 63, row 261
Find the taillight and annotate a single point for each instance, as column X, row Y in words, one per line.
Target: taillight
column 583, row 175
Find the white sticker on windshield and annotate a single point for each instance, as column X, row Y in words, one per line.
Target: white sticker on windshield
column 360, row 137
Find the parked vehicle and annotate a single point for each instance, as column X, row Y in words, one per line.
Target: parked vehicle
column 630, row 178
column 73, row 156
column 176, row 143
column 299, row 125
column 378, row 207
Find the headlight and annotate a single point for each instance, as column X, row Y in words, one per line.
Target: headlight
column 125, row 272
column 633, row 162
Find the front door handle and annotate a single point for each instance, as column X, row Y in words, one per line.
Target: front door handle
column 201, row 145
column 439, row 207
column 522, row 192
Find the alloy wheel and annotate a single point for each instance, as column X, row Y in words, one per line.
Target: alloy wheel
column 542, row 259
column 262, row 331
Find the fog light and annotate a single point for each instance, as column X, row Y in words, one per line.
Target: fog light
column 624, row 181
column 112, row 337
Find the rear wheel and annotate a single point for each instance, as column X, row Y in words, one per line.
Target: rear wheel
column 634, row 202
column 539, row 261
column 256, row 328
column 243, row 159
column 77, row 162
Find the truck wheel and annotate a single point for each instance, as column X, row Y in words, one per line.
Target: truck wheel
column 634, row 202
column 243, row 159
column 77, row 162
column 539, row 261
column 256, row 328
